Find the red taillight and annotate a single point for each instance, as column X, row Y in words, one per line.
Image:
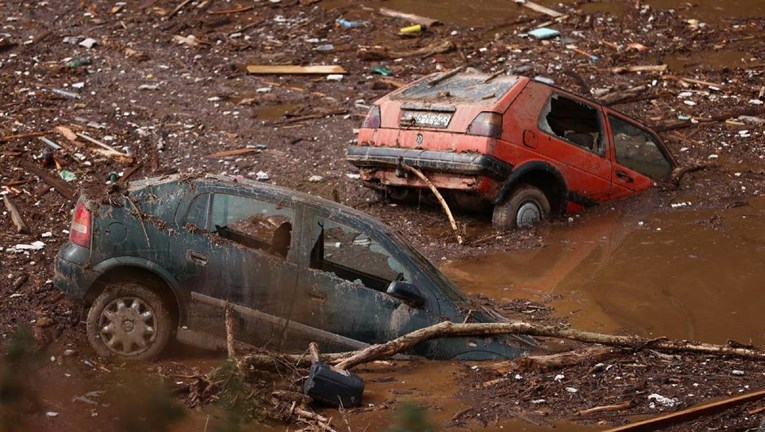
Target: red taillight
column 79, row 232
column 373, row 118
column 488, row 124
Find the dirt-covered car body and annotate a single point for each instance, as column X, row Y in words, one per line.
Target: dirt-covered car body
column 298, row 267
column 487, row 137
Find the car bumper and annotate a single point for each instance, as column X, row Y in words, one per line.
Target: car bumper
column 70, row 273
column 468, row 164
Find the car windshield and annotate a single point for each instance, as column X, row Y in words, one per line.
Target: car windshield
column 470, row 88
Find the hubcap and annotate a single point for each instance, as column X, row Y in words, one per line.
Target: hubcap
column 528, row 215
column 128, row 326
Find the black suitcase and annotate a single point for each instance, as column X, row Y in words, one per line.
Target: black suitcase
column 333, row 387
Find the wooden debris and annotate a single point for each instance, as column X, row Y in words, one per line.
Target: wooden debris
column 748, row 111
column 605, row 408
column 58, row 184
column 417, row 19
column 438, row 196
column 106, row 149
column 127, row 175
column 21, row 227
column 445, row 76
column 692, row 81
column 178, row 8
column 236, row 152
column 299, row 119
column 662, row 422
column 379, row 53
column 231, row 11
column 294, row 70
column 21, row 136
column 639, row 68
column 541, row 9
column 229, row 320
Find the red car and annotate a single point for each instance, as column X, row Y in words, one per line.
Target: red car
column 526, row 148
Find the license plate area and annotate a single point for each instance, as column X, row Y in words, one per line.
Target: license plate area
column 427, row 119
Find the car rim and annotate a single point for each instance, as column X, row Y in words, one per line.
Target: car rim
column 128, row 326
column 528, row 214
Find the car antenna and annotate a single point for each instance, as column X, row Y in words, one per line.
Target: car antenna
column 447, row 75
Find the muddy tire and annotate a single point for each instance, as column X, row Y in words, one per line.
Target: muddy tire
column 129, row 322
column 526, row 206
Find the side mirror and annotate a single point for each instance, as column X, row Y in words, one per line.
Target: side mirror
column 407, row 293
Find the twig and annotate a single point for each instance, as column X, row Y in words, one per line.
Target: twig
column 20, row 136
column 440, row 198
column 602, row 408
column 446, row 76
column 230, row 333
column 21, row 227
column 231, row 11
column 178, row 8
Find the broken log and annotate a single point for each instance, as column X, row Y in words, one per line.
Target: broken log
column 662, row 422
column 552, row 361
column 417, row 19
column 21, row 227
column 450, row 329
column 438, row 196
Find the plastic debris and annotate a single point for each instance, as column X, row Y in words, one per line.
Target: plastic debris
column 662, row 400
column 381, row 70
column 544, row 33
column 67, row 175
column 344, row 23
column 88, row 43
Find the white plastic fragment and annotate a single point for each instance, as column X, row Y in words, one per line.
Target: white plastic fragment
column 559, row 377
column 51, row 414
column 663, row 400
column 37, row 245
column 315, row 178
column 261, row 176
column 738, row 372
column 88, row 43
column 571, row 389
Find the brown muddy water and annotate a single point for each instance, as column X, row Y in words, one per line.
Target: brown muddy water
column 682, row 274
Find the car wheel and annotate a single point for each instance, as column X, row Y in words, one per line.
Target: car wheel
column 526, row 206
column 130, row 322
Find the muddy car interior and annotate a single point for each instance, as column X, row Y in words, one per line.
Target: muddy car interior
column 573, row 121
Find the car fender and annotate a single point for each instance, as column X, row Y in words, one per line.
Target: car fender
column 181, row 296
column 520, row 171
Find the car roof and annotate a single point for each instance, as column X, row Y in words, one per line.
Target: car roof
column 234, row 182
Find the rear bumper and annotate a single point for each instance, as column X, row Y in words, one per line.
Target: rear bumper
column 70, row 273
column 466, row 164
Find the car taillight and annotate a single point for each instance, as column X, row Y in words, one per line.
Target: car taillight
column 372, row 120
column 488, row 124
column 79, row 232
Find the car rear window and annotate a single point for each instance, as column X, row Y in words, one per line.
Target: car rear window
column 469, row 88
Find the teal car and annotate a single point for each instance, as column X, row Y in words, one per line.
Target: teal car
column 164, row 257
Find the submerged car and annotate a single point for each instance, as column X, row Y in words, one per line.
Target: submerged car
column 527, row 149
column 165, row 256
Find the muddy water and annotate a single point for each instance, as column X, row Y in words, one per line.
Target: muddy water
column 682, row 274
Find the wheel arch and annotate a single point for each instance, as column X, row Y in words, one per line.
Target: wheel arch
column 541, row 175
column 146, row 273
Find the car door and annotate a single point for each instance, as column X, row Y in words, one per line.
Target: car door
column 240, row 252
column 640, row 159
column 345, row 272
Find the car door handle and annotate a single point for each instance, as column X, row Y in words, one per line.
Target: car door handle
column 624, row 176
column 197, row 257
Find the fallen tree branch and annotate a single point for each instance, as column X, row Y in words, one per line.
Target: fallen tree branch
column 440, row 198
column 450, row 329
column 57, row 184
column 21, row 227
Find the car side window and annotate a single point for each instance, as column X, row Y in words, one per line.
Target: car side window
column 637, row 149
column 197, row 213
column 355, row 256
column 253, row 223
column 573, row 121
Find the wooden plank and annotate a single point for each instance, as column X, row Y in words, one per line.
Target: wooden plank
column 541, row 9
column 55, row 182
column 294, row 70
column 21, row 136
column 661, row 422
column 417, row 19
